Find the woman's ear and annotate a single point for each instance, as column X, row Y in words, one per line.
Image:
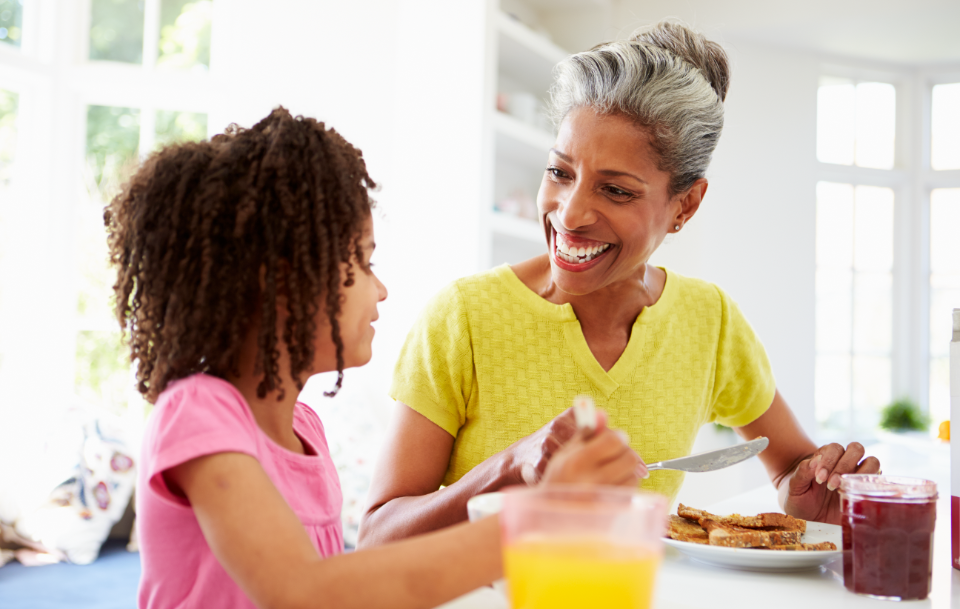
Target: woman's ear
column 689, row 204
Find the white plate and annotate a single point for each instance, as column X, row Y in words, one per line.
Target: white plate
column 750, row 559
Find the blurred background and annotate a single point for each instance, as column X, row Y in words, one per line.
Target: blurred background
column 833, row 214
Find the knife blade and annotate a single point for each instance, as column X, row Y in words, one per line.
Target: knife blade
column 714, row 459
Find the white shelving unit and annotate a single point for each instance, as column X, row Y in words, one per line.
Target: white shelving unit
column 521, row 61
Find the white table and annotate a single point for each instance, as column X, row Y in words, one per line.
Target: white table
column 684, row 583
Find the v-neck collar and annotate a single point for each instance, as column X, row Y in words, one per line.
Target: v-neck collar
column 605, row 381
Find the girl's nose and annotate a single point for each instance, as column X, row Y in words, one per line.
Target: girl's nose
column 381, row 289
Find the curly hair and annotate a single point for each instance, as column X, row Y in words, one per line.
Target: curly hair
column 206, row 234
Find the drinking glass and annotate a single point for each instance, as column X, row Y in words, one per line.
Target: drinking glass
column 582, row 546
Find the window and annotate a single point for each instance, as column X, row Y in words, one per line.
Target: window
column 153, row 35
column 116, row 30
column 11, row 21
column 945, row 127
column 856, row 126
column 885, row 213
column 854, row 286
column 944, row 292
column 856, row 123
column 8, row 150
column 113, row 144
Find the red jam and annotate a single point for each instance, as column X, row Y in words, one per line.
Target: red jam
column 888, row 526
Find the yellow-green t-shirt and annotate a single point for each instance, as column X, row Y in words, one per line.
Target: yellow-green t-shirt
column 491, row 362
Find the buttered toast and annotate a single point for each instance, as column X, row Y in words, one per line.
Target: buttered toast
column 767, row 531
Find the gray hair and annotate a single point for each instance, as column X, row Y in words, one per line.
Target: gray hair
column 668, row 78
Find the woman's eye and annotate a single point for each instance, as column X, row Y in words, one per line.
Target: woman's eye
column 556, row 172
column 617, row 192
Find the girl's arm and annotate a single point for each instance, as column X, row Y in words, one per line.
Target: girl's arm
column 806, row 476
column 263, row 546
column 403, row 499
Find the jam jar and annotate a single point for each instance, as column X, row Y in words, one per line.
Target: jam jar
column 887, row 526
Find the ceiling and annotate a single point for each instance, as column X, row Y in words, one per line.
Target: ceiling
column 904, row 32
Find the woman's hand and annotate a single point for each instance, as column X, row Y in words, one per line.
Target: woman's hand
column 529, row 456
column 811, row 492
column 603, row 456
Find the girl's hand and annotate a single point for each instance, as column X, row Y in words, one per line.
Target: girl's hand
column 812, row 494
column 602, row 456
column 530, row 455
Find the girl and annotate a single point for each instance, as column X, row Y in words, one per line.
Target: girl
column 243, row 268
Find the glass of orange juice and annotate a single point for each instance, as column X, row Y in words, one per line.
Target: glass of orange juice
column 582, row 546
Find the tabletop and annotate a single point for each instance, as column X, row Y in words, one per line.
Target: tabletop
column 718, row 587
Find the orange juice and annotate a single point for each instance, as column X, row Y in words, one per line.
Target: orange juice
column 574, row 573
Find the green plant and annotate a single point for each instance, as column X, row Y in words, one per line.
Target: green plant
column 904, row 415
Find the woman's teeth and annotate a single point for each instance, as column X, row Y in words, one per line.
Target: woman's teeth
column 579, row 255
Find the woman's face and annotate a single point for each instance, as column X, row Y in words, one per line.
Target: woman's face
column 358, row 311
column 604, row 204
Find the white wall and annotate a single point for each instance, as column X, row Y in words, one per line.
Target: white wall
column 403, row 81
column 754, row 234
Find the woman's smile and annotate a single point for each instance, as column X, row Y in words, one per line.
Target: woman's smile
column 576, row 254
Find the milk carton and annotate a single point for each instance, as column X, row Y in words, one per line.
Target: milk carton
column 955, row 438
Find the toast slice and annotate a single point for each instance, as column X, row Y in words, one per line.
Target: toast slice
column 824, row 546
column 768, row 520
column 731, row 536
column 682, row 529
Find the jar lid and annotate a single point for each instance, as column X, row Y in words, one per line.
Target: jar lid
column 888, row 487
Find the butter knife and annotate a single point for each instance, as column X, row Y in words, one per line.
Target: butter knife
column 714, row 459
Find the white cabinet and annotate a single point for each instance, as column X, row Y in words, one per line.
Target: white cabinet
column 518, row 136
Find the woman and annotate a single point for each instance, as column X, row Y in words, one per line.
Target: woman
column 488, row 371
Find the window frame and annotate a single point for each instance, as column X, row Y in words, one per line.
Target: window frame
column 912, row 180
column 56, row 82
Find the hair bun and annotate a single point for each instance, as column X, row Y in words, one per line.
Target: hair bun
column 707, row 56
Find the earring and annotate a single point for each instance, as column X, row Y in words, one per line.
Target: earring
column 676, row 227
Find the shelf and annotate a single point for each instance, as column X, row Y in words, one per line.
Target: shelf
column 519, row 142
column 568, row 4
column 513, row 226
column 524, row 55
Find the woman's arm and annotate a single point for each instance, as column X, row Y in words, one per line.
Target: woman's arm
column 403, row 499
column 805, row 476
column 263, row 546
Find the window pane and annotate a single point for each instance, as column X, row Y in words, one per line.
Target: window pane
column 11, row 21
column 103, row 370
column 945, row 128
column 116, row 30
column 9, row 103
column 834, row 327
column 113, row 136
column 944, row 298
column 185, row 34
column 832, row 390
column 873, row 229
column 872, row 313
column 834, row 225
column 175, row 126
column 876, row 123
column 939, row 389
column 836, row 125
column 103, row 375
column 871, row 388
column 945, row 230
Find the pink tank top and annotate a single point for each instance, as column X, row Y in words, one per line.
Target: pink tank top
column 202, row 415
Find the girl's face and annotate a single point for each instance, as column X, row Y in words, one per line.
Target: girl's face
column 603, row 202
column 358, row 311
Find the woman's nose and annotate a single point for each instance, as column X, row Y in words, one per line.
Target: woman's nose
column 576, row 209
